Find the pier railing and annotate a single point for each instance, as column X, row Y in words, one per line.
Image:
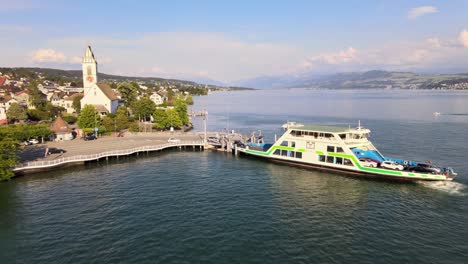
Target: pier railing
column 90, row 157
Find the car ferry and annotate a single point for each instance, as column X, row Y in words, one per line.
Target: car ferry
column 343, row 150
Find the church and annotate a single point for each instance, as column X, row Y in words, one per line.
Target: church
column 100, row 95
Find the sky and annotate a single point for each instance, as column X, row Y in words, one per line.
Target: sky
column 229, row 41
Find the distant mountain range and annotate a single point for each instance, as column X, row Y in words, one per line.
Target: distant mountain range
column 361, row 80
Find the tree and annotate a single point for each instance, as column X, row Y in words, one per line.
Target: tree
column 70, row 119
column 88, row 118
column 128, row 93
column 15, row 113
column 160, row 118
column 181, row 108
column 143, row 108
column 8, row 157
column 189, row 99
column 173, row 119
column 77, row 103
column 121, row 118
column 35, row 95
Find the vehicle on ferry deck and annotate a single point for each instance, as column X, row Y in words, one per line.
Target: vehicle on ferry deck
column 391, row 165
column 424, row 167
column 369, row 163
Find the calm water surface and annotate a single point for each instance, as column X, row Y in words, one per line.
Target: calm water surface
column 207, row 207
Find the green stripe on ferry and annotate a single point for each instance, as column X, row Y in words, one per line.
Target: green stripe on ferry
column 273, row 148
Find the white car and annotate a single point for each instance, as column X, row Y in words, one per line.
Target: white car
column 368, row 163
column 173, row 140
column 391, row 165
column 34, row 141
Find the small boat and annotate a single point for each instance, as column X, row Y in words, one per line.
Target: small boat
column 343, row 150
column 436, row 114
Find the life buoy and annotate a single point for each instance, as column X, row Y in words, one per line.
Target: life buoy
column 405, row 162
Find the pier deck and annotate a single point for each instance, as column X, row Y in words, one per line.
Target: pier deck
column 33, row 158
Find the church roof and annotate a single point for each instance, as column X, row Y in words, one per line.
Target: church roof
column 2, row 80
column 60, row 126
column 107, row 90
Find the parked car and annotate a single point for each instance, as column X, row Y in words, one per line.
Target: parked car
column 90, row 136
column 425, row 168
column 56, row 151
column 369, row 163
column 391, row 165
column 173, row 140
column 34, row 141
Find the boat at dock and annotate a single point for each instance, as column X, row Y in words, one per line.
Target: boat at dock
column 343, row 150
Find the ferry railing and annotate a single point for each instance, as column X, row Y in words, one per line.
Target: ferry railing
column 113, row 153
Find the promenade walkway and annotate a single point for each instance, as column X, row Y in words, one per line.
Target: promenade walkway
column 79, row 151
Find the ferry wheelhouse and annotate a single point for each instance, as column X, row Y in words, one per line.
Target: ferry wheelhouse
column 344, row 150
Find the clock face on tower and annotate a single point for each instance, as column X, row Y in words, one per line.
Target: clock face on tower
column 90, row 78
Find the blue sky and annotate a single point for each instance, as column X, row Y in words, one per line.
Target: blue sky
column 232, row 40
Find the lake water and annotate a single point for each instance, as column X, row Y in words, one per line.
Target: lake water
column 208, row 207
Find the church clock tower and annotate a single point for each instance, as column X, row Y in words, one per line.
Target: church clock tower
column 89, row 64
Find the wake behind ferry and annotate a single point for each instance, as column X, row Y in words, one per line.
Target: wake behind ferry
column 341, row 149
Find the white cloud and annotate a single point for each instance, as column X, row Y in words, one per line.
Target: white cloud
column 48, row 55
column 434, row 42
column 420, row 11
column 463, row 38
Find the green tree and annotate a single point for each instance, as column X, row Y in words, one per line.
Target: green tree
column 128, row 92
column 88, row 118
column 173, row 119
column 15, row 113
column 189, row 99
column 181, row 108
column 36, row 97
column 8, row 157
column 77, row 103
column 160, row 119
column 70, row 119
column 143, row 108
column 122, row 119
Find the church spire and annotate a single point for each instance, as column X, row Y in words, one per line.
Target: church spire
column 89, row 56
column 89, row 66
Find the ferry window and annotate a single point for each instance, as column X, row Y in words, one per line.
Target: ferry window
column 299, row 155
column 284, row 143
column 315, row 134
column 291, row 154
column 347, row 162
column 339, row 150
column 293, row 144
column 338, row 160
column 328, row 135
column 321, row 135
column 330, row 159
column 321, row 158
column 330, row 149
column 343, row 136
column 310, row 145
column 284, row 153
column 277, row 152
